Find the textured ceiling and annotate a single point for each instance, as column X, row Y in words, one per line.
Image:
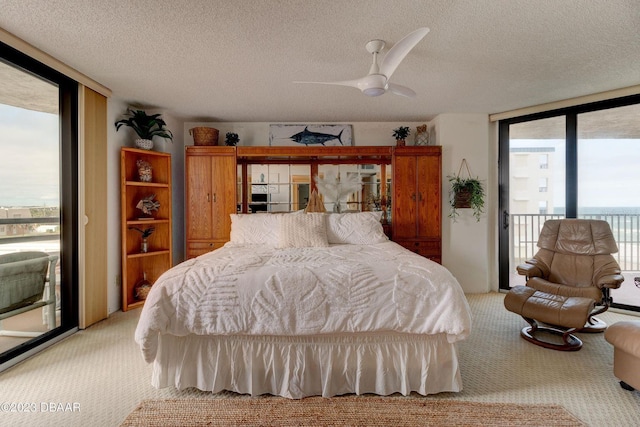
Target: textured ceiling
column 235, row 60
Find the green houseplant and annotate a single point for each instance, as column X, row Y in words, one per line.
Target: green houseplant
column 145, row 126
column 231, row 139
column 466, row 193
column 400, row 134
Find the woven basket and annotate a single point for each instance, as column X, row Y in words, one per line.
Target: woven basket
column 204, row 135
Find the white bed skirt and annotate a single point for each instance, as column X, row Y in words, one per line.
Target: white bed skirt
column 296, row 367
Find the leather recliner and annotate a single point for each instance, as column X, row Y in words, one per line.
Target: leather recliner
column 568, row 282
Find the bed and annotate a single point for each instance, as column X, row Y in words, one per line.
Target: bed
column 297, row 305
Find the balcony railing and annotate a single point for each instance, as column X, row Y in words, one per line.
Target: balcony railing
column 525, row 229
column 18, row 230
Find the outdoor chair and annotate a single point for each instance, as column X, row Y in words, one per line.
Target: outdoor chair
column 24, row 276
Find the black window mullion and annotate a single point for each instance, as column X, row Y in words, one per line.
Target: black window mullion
column 571, row 166
column 503, row 205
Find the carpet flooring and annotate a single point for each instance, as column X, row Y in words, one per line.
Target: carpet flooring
column 344, row 411
column 97, row 376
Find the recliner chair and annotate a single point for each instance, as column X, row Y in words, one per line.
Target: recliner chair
column 568, row 282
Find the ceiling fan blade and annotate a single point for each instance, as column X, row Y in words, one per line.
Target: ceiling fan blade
column 401, row 90
column 396, row 54
column 351, row 83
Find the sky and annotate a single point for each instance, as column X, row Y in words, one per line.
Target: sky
column 29, row 158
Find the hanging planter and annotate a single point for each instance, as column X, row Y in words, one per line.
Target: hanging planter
column 462, row 199
column 466, row 192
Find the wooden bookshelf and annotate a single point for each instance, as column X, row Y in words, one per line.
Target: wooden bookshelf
column 158, row 257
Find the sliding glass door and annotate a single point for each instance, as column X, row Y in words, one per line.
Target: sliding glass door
column 38, row 205
column 609, row 185
column 580, row 162
column 536, row 182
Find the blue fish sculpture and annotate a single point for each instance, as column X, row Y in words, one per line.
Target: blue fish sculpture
column 307, row 137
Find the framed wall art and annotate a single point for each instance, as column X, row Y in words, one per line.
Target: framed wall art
column 310, row 135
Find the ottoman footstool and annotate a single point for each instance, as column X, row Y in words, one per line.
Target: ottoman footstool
column 569, row 313
column 625, row 338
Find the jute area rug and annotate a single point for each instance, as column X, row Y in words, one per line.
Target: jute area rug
column 344, row 411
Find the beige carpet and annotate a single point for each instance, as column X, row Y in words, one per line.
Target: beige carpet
column 344, row 411
column 102, row 370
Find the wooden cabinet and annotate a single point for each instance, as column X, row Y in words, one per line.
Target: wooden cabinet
column 417, row 200
column 212, row 187
column 210, row 197
column 139, row 263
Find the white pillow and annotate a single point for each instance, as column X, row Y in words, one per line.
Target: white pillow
column 255, row 229
column 358, row 228
column 303, row 231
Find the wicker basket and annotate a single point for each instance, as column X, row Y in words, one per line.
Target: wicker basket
column 204, row 135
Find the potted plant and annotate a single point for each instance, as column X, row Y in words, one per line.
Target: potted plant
column 144, row 247
column 231, row 139
column 400, row 134
column 466, row 193
column 145, row 126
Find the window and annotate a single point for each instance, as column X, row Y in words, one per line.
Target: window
column 586, row 166
column 543, row 161
column 542, row 207
column 38, row 180
column 542, row 185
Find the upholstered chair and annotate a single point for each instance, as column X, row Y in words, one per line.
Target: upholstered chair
column 568, row 282
column 24, row 276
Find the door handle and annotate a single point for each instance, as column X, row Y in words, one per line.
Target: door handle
column 413, row 197
column 505, row 219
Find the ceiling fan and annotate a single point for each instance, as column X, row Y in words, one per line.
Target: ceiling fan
column 376, row 83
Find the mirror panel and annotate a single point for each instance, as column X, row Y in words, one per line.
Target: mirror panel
column 342, row 187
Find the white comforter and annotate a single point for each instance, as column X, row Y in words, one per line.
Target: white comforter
column 242, row 290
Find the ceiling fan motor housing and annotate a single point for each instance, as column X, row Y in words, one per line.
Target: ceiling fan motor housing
column 373, row 84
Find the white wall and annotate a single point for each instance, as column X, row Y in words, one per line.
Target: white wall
column 115, row 140
column 466, row 248
column 257, row 133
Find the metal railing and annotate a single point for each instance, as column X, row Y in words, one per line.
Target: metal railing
column 17, row 230
column 525, row 228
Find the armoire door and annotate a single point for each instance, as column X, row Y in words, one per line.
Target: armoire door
column 199, row 197
column 428, row 211
column 404, row 197
column 223, row 196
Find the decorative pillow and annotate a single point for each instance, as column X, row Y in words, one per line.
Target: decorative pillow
column 358, row 228
column 255, row 229
column 303, row 231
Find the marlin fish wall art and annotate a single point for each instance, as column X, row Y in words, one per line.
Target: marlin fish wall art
column 310, row 135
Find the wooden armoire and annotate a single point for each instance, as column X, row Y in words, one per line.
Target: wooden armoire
column 216, row 177
column 210, row 197
column 417, row 200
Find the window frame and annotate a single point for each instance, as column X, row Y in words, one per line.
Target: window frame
column 571, row 172
column 69, row 175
